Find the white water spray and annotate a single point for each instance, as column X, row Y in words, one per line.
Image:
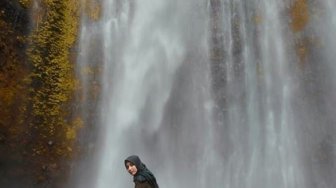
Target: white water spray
column 213, row 93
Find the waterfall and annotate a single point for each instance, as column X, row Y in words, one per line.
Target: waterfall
column 212, row 93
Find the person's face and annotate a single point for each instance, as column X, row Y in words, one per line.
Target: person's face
column 131, row 168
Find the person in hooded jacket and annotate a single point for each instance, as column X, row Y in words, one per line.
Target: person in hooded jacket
column 142, row 177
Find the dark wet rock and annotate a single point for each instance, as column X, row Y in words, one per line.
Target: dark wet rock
column 12, row 12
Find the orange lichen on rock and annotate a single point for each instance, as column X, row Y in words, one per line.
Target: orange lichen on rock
column 302, row 51
column 299, row 14
column 257, row 18
column 303, row 47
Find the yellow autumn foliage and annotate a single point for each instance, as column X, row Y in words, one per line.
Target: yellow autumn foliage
column 92, row 8
column 71, row 133
column 49, row 54
column 25, row 3
column 53, row 82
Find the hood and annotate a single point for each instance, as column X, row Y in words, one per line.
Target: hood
column 135, row 160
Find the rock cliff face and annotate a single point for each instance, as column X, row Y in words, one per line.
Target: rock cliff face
column 13, row 92
column 38, row 124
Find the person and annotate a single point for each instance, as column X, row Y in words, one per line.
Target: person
column 142, row 177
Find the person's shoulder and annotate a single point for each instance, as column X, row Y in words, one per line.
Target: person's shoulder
column 140, row 178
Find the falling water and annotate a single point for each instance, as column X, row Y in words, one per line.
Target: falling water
column 213, row 93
